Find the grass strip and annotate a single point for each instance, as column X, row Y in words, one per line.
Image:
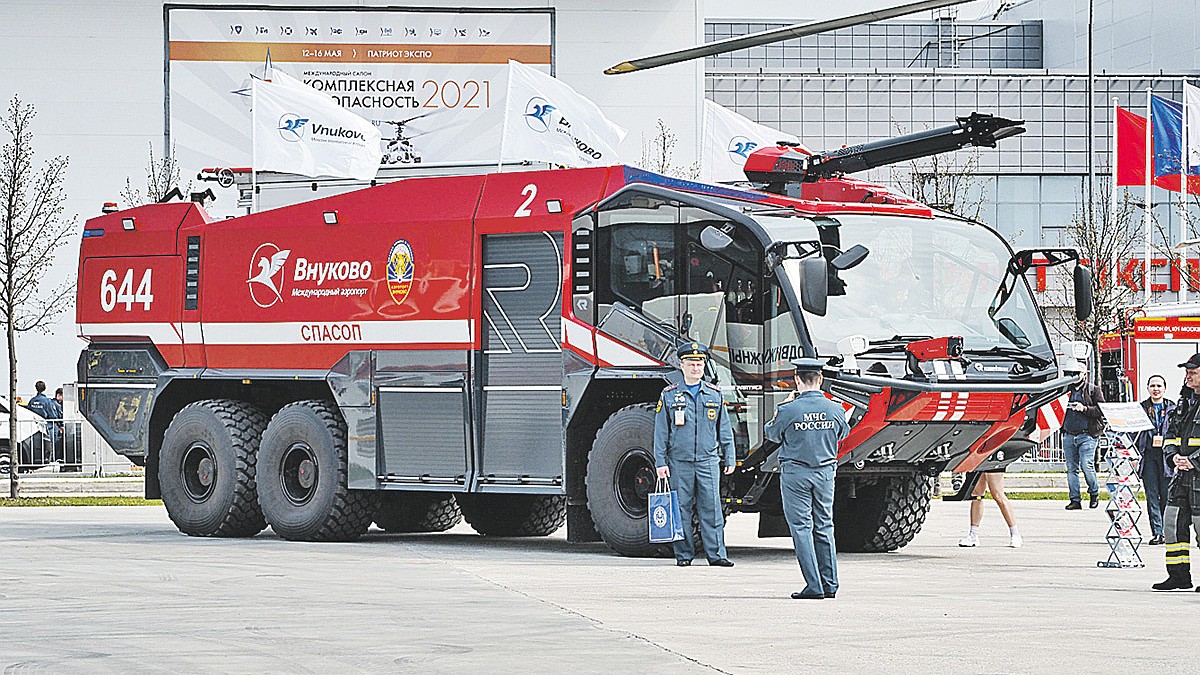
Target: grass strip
column 1054, row 496
column 79, row 501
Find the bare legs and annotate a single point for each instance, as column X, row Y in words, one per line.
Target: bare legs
column 993, row 483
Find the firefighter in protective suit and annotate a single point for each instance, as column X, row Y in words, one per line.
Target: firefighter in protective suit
column 692, row 440
column 1182, row 450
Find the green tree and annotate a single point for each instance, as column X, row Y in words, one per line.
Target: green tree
column 1105, row 237
column 32, row 229
column 659, row 151
column 161, row 175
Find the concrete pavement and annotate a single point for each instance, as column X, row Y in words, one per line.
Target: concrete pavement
column 117, row 589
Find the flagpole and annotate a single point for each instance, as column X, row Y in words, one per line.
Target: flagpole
column 1183, row 186
column 1112, row 205
column 504, row 124
column 1146, row 210
column 253, row 147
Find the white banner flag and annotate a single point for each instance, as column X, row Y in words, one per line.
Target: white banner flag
column 297, row 129
column 545, row 120
column 1191, row 104
column 729, row 138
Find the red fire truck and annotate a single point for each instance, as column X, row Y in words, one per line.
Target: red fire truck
column 490, row 347
column 1153, row 341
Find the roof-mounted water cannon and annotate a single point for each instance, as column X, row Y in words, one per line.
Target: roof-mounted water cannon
column 779, row 165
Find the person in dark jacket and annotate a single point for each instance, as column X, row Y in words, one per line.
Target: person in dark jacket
column 1156, row 474
column 1182, row 450
column 46, row 407
column 1081, row 428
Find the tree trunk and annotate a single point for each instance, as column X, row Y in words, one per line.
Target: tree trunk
column 14, row 490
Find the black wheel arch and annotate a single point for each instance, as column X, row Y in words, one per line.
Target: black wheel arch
column 604, row 393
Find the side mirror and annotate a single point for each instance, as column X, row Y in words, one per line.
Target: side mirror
column 713, row 239
column 850, row 258
column 1082, row 278
column 814, row 285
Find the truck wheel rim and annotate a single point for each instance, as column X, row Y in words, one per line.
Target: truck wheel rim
column 198, row 472
column 634, row 481
column 298, row 473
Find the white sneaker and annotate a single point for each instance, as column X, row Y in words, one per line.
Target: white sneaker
column 1015, row 541
column 969, row 541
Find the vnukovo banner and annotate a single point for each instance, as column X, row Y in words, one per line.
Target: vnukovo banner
column 433, row 82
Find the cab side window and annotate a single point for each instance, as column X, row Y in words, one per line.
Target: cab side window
column 635, row 253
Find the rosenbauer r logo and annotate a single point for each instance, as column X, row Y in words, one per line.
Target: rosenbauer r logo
column 291, row 127
column 265, row 277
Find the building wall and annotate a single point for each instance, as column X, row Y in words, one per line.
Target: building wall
column 1128, row 37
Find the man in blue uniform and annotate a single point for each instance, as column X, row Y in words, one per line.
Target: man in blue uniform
column 692, row 440
column 810, row 426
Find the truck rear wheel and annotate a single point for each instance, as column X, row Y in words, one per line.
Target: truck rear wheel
column 302, row 476
column 620, row 476
column 207, row 469
column 417, row 512
column 507, row 515
column 883, row 516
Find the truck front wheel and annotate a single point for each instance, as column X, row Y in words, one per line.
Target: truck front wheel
column 883, row 515
column 620, row 476
column 302, row 466
column 417, row 512
column 207, row 469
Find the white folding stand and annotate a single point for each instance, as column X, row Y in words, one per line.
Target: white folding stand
column 1123, row 508
column 1123, row 484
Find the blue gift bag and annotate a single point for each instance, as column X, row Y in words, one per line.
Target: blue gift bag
column 666, row 524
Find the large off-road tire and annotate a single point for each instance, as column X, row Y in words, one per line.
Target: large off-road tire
column 620, row 476
column 883, row 516
column 417, row 511
column 506, row 515
column 302, row 468
column 207, row 469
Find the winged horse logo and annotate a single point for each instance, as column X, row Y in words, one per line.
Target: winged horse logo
column 269, row 266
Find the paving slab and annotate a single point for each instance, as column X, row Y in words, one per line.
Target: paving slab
column 118, row 589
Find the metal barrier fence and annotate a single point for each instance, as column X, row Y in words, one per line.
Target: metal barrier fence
column 60, row 446
column 1048, row 452
column 1051, row 451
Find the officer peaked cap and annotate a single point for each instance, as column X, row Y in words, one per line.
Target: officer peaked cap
column 692, row 350
column 808, row 365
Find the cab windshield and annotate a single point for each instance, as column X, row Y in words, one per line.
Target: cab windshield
column 925, row 279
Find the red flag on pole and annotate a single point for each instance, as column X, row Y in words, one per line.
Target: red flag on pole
column 1131, row 155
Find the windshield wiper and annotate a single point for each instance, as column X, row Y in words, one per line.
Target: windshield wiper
column 1017, row 354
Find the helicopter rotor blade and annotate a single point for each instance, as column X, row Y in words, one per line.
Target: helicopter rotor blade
column 776, row 35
